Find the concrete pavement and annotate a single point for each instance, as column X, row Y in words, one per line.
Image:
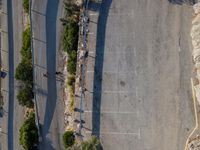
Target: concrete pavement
column 140, row 97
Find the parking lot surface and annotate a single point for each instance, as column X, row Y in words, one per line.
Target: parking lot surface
column 138, row 74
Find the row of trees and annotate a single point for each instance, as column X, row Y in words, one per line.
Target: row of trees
column 24, row 71
column 28, row 133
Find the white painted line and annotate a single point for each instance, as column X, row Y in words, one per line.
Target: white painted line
column 113, row 112
column 117, row 91
column 179, row 49
column 136, row 92
column 93, row 14
column 115, row 133
column 114, row 72
column 139, row 134
column 92, row 52
column 91, row 33
column 90, row 71
column 112, row 92
column 135, row 72
column 134, row 52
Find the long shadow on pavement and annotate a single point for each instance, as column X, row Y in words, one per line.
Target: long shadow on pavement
column 98, row 68
column 11, row 75
column 51, row 19
column 180, row 2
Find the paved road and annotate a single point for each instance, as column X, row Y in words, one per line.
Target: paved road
column 46, row 35
column 18, row 111
column 141, row 96
column 15, row 112
column 4, row 82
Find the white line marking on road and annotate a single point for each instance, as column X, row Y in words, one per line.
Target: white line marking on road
column 139, row 134
column 93, row 14
column 91, row 33
column 115, row 133
column 134, row 52
column 113, row 112
column 90, row 71
column 136, row 92
column 179, row 49
column 114, row 72
column 92, row 52
column 135, row 72
column 117, row 91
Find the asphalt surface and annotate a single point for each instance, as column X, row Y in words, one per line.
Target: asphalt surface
column 46, row 34
column 18, row 111
column 138, row 74
column 10, row 76
column 15, row 112
column 4, row 82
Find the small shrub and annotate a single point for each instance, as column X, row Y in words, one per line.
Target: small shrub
column 28, row 133
column 25, row 96
column 26, row 6
column 68, row 139
column 91, row 144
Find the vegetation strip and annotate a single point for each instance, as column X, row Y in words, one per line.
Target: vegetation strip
column 70, row 46
column 28, row 133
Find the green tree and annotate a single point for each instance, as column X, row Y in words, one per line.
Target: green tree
column 26, row 6
column 25, row 95
column 24, row 72
column 68, row 139
column 92, row 144
column 28, row 133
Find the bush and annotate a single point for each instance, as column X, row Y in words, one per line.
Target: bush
column 26, row 45
column 26, row 6
column 25, row 96
column 68, row 139
column 92, row 144
column 71, row 62
column 28, row 133
column 24, row 72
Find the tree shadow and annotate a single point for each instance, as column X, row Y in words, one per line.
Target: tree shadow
column 98, row 67
column 51, row 19
column 11, row 75
column 180, row 2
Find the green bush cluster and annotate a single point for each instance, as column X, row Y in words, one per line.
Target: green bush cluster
column 28, row 133
column 25, row 96
column 70, row 37
column 24, row 71
column 26, row 6
column 68, row 139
